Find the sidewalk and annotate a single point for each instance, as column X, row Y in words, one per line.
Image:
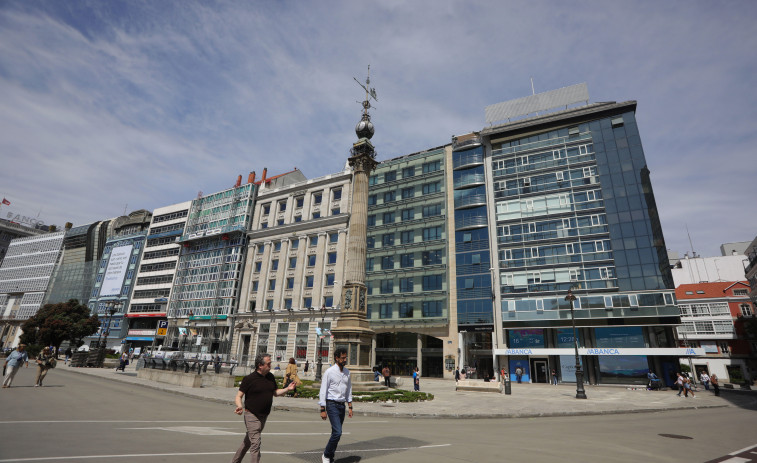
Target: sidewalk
column 526, row 400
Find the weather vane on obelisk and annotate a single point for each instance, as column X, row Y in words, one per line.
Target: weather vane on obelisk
column 352, row 330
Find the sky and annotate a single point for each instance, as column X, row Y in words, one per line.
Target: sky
column 107, row 106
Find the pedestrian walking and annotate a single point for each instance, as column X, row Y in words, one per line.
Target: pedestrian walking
column 69, row 353
column 519, row 374
column 336, row 390
column 45, row 361
column 307, row 367
column 13, row 363
column 387, row 373
column 679, row 383
column 257, row 391
column 554, row 377
column 291, row 375
column 687, row 388
column 122, row 362
column 416, row 380
column 457, row 375
column 715, row 383
column 704, row 378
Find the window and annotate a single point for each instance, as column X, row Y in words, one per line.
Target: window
column 370, row 242
column 333, row 237
column 432, row 211
column 387, row 239
column 317, row 214
column 372, row 200
column 280, row 222
column 290, row 283
column 406, row 310
column 388, row 217
column 282, row 206
column 407, row 237
column 317, row 198
column 309, row 281
column 387, row 286
column 433, row 166
column 271, row 285
column 740, row 292
column 336, row 211
column 261, row 247
column 390, row 196
column 408, row 214
column 406, row 285
column 266, row 209
column 307, row 302
column 385, row 310
column 274, row 264
column 292, row 262
column 369, row 264
column 313, row 241
column 295, row 243
column 432, row 308
column 390, row 176
column 430, row 188
column 337, row 194
column 372, row 180
column 469, row 283
column 269, row 304
column 331, row 258
column 297, row 218
column 432, row 282
column 408, row 172
column 299, row 202
column 287, row 304
column 387, row 262
column 328, row 301
column 407, row 260
column 254, row 285
column 371, row 220
column 432, row 233
column 432, row 257
column 329, row 279
column 746, row 309
column 311, row 260
column 408, row 192
column 258, row 266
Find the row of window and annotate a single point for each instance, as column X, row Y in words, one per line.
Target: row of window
column 407, row 172
column 542, row 160
column 707, row 327
column 154, row 280
column 405, row 193
column 170, row 216
column 309, row 281
column 294, row 243
column 431, row 210
column 428, row 309
column 151, row 293
column 298, row 218
column 407, row 285
column 406, row 237
column 34, row 244
column 432, row 257
column 549, row 204
column 162, row 253
column 331, row 259
column 590, row 302
column 307, row 302
column 299, row 201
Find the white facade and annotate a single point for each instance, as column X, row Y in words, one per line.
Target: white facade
column 692, row 270
column 295, row 264
column 24, row 277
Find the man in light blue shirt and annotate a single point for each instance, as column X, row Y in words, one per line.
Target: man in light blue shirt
column 13, row 364
column 336, row 390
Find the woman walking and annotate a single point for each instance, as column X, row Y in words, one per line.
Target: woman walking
column 291, row 375
column 45, row 361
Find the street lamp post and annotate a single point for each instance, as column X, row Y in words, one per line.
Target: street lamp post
column 580, row 393
column 320, row 346
column 113, row 307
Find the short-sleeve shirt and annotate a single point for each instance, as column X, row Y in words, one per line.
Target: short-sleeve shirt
column 258, row 393
column 17, row 358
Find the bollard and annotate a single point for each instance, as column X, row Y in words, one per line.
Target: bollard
column 508, row 389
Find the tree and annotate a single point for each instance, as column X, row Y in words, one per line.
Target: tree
column 55, row 323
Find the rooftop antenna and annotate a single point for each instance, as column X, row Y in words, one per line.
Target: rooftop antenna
column 533, row 92
column 126, row 206
column 693, row 254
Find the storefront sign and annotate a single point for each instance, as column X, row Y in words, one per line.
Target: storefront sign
column 669, row 351
column 141, row 332
column 22, row 219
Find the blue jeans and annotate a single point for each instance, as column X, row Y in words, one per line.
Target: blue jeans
column 335, row 412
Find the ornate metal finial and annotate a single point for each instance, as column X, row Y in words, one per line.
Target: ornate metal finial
column 364, row 128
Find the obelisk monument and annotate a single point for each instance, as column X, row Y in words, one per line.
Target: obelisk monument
column 352, row 330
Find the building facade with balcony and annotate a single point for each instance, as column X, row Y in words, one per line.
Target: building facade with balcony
column 25, row 275
column 115, row 278
column 294, row 271
column 155, row 275
column 572, row 207
column 714, row 317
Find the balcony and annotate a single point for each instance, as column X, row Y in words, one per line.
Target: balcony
column 468, row 223
column 470, row 201
column 468, row 160
column 470, row 180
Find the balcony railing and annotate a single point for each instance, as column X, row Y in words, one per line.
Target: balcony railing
column 467, row 223
column 468, row 160
column 469, row 181
column 470, row 201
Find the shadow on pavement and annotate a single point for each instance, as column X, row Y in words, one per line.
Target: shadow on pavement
column 376, row 448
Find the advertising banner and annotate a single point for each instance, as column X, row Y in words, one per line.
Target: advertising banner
column 114, row 274
column 568, row 368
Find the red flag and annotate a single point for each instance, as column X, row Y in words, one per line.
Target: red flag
column 6, row 202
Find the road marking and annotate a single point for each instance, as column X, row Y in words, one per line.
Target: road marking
column 207, row 431
column 169, row 421
column 147, row 455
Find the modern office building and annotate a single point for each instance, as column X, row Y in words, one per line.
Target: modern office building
column 713, row 317
column 24, row 277
column 572, row 208
column 154, row 278
column 114, row 280
column 408, row 265
column 74, row 277
column 295, row 266
column 10, row 231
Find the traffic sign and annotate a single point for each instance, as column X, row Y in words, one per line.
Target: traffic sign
column 162, row 327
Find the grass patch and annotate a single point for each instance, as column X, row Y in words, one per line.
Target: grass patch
column 306, row 391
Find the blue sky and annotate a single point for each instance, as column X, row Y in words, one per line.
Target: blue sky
column 108, row 103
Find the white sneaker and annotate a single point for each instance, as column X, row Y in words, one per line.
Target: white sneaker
column 324, row 459
column 36, row 385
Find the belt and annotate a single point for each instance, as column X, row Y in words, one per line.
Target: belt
column 334, row 401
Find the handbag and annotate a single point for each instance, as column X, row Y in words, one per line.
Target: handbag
column 52, row 362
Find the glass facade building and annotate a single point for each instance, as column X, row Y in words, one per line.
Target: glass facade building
column 573, row 208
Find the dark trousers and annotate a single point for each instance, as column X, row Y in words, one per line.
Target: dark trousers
column 386, row 381
column 335, row 412
column 716, row 388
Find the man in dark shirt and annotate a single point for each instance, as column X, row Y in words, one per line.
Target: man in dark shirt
column 257, row 389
